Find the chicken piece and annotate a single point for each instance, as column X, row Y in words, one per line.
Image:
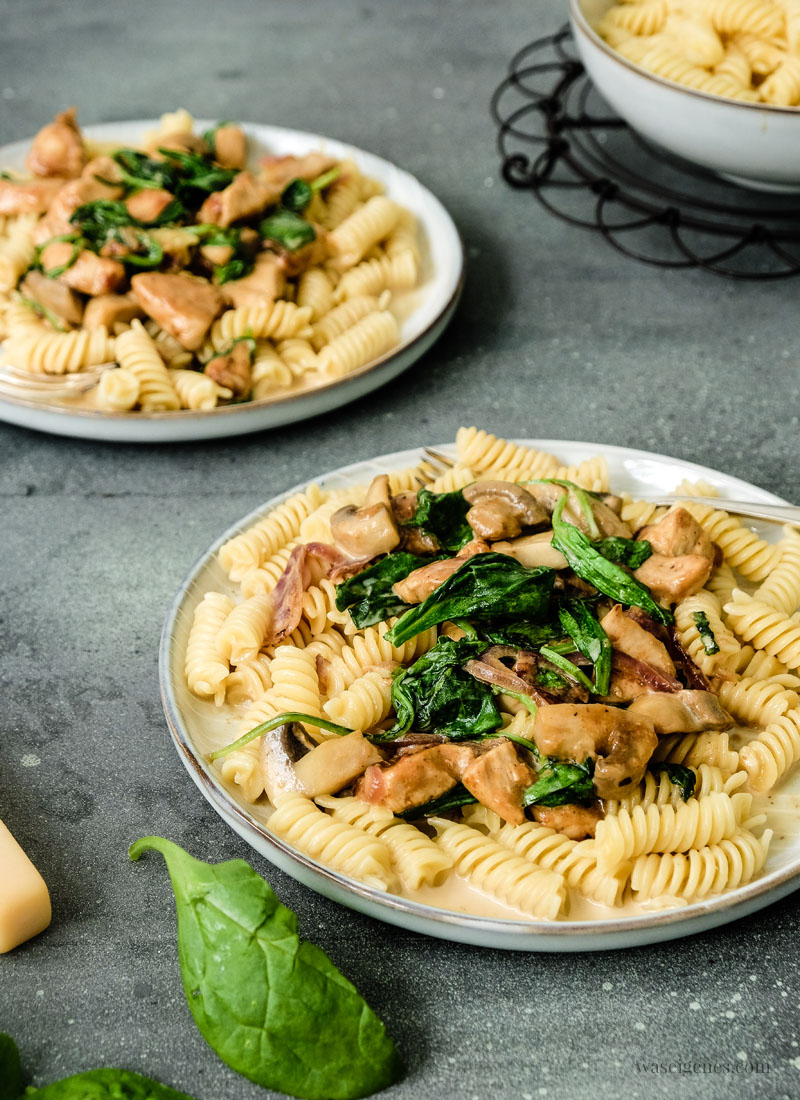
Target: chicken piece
column 498, row 778
column 69, row 197
column 619, row 744
column 28, row 196
column 533, row 550
column 676, row 534
column 180, row 141
column 148, row 205
column 234, row 370
column 242, row 198
column 217, row 254
column 417, row 586
column 88, row 272
column 417, row 778
column 183, row 306
column 265, row 283
column 230, row 147
column 103, row 169
column 108, row 310
column 574, row 821
column 682, row 712
column 370, row 530
column 672, row 579
column 280, row 171
column 57, row 150
column 56, row 298
column 627, row 636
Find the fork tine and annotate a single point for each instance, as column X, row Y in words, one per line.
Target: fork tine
column 438, row 462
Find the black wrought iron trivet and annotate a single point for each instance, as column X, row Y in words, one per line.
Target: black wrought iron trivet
column 560, row 141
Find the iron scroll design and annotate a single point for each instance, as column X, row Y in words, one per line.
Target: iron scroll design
column 558, row 140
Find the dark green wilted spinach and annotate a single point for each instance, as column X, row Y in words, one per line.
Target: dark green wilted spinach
column 436, row 694
column 590, row 639
column 706, row 633
column 273, row 1008
column 96, row 1084
column 288, row 230
column 682, row 777
column 450, row 800
column 369, row 595
column 630, row 552
column 443, row 515
column 487, row 586
column 561, row 781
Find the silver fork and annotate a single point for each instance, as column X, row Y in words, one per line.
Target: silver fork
column 773, row 513
column 14, row 380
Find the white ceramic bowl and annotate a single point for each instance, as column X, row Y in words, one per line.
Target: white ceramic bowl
column 754, row 144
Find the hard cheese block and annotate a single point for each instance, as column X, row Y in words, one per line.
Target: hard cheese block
column 24, row 901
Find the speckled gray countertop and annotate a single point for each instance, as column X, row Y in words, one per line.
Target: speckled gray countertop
column 558, row 336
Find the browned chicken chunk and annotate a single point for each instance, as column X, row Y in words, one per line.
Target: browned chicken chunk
column 278, row 171
column 416, row 779
column 108, row 310
column 683, row 712
column 619, row 743
column 148, row 205
column 57, row 149
column 69, row 197
column 56, row 298
column 417, row 586
column 574, row 821
column 230, row 147
column 184, row 307
column 242, row 198
column 180, row 141
column 631, row 638
column 88, row 272
column 672, row 579
column 498, row 779
column 266, row 282
column 233, row 371
column 678, row 533
column 28, row 197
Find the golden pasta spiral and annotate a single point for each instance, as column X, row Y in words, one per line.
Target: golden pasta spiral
column 701, row 872
column 770, row 755
column 368, row 339
column 206, row 668
column 365, row 703
column 757, row 622
column 137, row 352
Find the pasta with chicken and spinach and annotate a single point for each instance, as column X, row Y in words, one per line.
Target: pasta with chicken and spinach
column 211, row 279
column 534, row 678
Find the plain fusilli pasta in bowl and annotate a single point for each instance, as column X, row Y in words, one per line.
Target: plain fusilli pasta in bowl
column 715, row 81
column 210, row 279
column 410, row 755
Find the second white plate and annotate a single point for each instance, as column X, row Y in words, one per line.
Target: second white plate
column 434, row 304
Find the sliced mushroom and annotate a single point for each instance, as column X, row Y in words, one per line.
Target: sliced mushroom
column 501, row 509
column 54, row 296
column 533, row 550
column 683, row 712
column 371, row 529
column 280, row 749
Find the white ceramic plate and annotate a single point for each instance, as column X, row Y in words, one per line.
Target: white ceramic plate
column 433, row 304
column 197, row 729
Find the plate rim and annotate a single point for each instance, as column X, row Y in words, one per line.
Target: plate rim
column 482, row 931
column 226, row 416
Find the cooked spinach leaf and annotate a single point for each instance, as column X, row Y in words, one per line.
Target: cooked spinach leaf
column 590, row 639
column 436, row 694
column 103, row 221
column 141, row 172
column 522, row 634
column 567, row 666
column 450, row 800
column 275, row 1009
column 443, row 515
column 629, row 552
column 561, row 781
column 288, row 230
column 487, row 586
column 369, row 594
column 606, row 577
column 296, row 196
column 273, row 723
column 197, row 173
column 705, row 632
column 10, row 1069
column 682, row 777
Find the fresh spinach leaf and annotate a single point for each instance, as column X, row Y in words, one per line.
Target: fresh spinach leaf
column 369, row 594
column 682, row 777
column 590, row 639
column 629, row 552
column 436, row 694
column 106, row 1084
column 288, row 230
column 10, row 1069
column 450, row 800
column 487, row 586
column 443, row 515
column 606, row 577
column 275, row 1009
column 705, row 632
column 561, row 781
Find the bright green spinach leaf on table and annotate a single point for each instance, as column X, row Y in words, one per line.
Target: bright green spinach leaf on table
column 96, row 1084
column 275, row 1009
column 435, row 694
column 487, row 586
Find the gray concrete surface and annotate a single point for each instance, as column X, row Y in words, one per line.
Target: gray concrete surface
column 558, row 336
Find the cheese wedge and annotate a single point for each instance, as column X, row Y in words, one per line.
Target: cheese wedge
column 24, row 901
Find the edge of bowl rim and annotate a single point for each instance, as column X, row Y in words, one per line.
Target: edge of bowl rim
column 742, row 897
column 581, row 23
